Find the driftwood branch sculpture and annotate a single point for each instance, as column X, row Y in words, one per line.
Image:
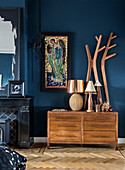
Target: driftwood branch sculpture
column 105, row 57
column 92, row 65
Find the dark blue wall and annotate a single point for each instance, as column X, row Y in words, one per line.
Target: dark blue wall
column 14, row 3
column 84, row 19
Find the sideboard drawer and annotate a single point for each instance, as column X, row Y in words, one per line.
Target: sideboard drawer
column 65, row 136
column 99, row 117
column 99, row 126
column 99, row 136
column 65, row 117
column 65, row 125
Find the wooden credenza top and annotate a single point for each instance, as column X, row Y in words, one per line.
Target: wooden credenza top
column 80, row 112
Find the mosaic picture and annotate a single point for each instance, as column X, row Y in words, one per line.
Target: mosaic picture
column 56, row 61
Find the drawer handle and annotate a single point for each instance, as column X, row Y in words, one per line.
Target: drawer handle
column 65, row 117
column 65, row 136
column 66, row 126
column 101, row 126
column 100, row 136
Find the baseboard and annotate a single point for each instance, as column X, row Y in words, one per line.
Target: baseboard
column 121, row 140
column 44, row 140
column 40, row 139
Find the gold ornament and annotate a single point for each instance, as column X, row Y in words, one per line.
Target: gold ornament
column 104, row 107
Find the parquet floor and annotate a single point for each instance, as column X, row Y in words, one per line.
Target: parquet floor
column 74, row 157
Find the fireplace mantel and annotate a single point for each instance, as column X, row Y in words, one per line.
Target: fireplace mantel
column 20, row 112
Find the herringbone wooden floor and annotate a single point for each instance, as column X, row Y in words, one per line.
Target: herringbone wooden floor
column 74, row 157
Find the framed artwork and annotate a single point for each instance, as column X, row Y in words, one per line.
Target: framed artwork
column 16, row 89
column 55, row 61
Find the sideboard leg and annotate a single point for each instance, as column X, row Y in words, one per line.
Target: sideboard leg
column 48, row 145
column 116, row 146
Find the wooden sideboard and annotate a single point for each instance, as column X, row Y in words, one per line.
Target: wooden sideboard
column 79, row 127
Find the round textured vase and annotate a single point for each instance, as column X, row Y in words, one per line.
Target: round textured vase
column 76, row 102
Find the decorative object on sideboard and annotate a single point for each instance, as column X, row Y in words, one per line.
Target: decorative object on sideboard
column 90, row 89
column 97, row 84
column 59, row 110
column 92, row 65
column 76, row 100
column 110, row 108
column 105, row 107
column 104, row 58
column 16, row 89
column 97, row 106
column 55, row 61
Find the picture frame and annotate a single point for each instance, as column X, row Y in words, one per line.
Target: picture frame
column 56, row 61
column 16, row 88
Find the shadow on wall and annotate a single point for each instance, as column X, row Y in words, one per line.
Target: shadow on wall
column 40, row 123
column 117, row 96
column 117, row 93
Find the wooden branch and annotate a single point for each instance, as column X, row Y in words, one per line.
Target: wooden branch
column 105, row 82
column 114, row 36
column 109, row 56
column 108, row 44
column 95, row 67
column 101, row 49
column 97, row 49
column 90, row 64
column 96, row 38
column 112, row 46
column 85, row 98
column 105, row 57
column 88, row 52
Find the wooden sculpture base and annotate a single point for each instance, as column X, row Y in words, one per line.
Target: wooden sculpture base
column 90, row 103
column 90, row 110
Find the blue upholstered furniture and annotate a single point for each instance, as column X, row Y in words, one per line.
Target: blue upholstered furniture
column 11, row 160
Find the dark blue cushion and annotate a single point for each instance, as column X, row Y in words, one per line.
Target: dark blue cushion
column 11, row 160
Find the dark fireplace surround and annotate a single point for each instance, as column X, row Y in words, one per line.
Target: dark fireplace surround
column 4, row 131
column 20, row 113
